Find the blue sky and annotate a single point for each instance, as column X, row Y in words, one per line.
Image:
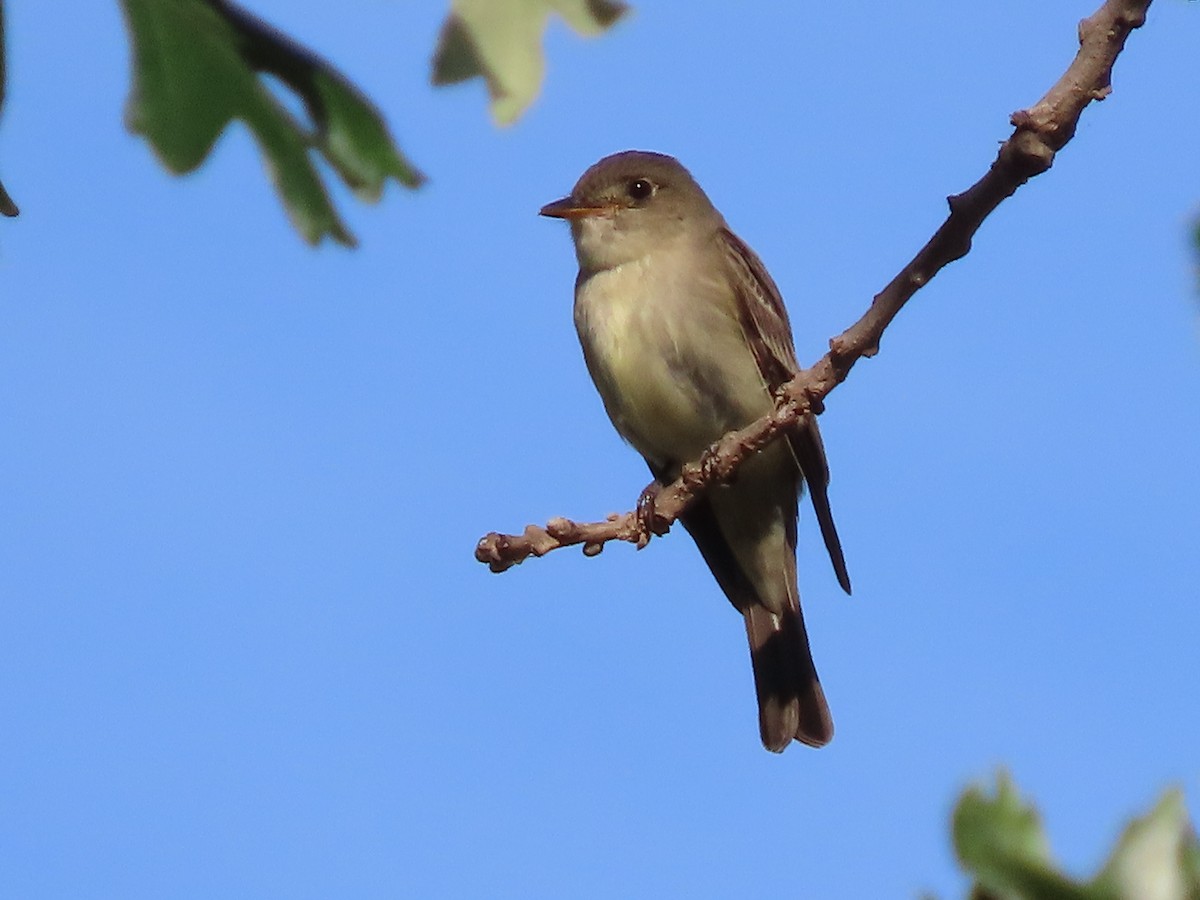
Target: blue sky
column 246, row 651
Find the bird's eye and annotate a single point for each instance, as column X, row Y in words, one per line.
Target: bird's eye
column 640, row 189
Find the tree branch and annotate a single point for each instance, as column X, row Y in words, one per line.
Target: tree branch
column 1039, row 133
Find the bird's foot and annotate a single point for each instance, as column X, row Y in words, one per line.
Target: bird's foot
column 649, row 522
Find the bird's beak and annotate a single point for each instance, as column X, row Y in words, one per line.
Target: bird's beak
column 570, row 208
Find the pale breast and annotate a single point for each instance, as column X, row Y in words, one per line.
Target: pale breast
column 668, row 357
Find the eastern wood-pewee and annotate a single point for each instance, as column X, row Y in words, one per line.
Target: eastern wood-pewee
column 686, row 337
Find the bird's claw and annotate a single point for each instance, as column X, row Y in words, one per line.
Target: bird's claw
column 649, row 522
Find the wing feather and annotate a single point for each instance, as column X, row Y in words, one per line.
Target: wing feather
column 764, row 321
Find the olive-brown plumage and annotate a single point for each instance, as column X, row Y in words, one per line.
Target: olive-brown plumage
column 686, row 337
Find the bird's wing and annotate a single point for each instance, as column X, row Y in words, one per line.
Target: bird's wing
column 765, row 323
column 760, row 306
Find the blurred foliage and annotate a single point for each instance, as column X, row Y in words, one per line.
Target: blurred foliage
column 7, row 207
column 501, row 42
column 196, row 66
column 1000, row 842
column 1196, row 247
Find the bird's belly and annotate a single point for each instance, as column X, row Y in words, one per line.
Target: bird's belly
column 674, row 371
column 657, row 407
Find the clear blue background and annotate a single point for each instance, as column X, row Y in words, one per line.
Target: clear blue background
column 245, row 650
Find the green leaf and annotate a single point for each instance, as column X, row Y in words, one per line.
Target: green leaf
column 501, row 40
column 1157, row 856
column 196, row 65
column 1000, row 841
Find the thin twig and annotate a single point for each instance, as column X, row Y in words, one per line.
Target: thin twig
column 1039, row 133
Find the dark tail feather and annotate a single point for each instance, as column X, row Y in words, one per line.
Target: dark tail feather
column 791, row 703
column 820, row 501
column 809, row 451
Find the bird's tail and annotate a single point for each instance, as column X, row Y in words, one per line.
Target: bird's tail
column 791, row 703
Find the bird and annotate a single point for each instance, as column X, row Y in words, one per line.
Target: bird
column 686, row 337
